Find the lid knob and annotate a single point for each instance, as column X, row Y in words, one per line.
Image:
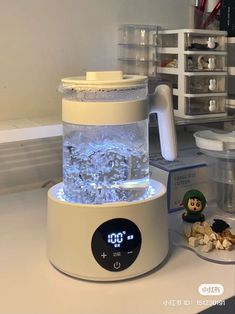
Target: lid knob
column 104, row 76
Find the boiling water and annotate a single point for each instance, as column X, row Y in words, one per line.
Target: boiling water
column 96, row 173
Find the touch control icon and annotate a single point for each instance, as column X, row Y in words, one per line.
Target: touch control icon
column 116, row 265
column 103, row 255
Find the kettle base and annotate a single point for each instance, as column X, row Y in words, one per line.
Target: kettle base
column 108, row 242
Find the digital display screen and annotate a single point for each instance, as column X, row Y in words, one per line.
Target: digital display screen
column 116, row 239
column 116, row 244
column 120, row 235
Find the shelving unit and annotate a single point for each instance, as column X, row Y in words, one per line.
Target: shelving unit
column 231, row 73
column 137, row 49
column 30, row 129
column 194, row 61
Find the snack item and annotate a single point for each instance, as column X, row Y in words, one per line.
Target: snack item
column 172, row 64
column 219, row 245
column 227, row 244
column 203, row 235
column 192, row 241
column 219, row 225
column 187, row 230
column 229, row 236
column 207, row 247
column 206, row 239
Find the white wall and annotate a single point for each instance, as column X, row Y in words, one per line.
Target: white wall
column 43, row 41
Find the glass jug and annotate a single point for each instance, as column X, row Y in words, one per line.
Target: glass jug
column 105, row 126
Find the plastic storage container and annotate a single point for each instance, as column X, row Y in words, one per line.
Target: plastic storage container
column 231, row 77
column 207, row 42
column 169, row 61
column 194, row 61
column 208, row 63
column 169, row 41
column 139, row 53
column 205, row 105
column 201, row 84
column 231, row 54
column 219, row 148
column 137, row 49
column 138, row 34
column 137, row 67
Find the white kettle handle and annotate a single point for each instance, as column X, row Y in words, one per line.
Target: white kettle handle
column 161, row 103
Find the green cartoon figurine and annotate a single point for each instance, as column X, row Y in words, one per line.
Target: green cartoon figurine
column 194, row 202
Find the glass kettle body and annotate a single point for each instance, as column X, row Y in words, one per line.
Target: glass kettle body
column 105, row 126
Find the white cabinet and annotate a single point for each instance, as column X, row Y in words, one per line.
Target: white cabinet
column 231, row 73
column 195, row 62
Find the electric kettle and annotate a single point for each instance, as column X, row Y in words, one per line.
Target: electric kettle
column 107, row 220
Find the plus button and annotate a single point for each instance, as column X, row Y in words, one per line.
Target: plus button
column 103, row 255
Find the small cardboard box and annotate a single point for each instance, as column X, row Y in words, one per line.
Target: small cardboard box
column 188, row 171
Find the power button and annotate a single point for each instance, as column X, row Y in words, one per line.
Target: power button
column 116, row 265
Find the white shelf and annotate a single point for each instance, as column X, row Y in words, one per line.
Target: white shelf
column 176, row 93
column 204, row 118
column 173, row 50
column 166, row 70
column 205, row 52
column 231, row 102
column 168, row 50
column 194, row 31
column 231, row 40
column 231, row 70
column 29, row 129
column 206, row 73
column 206, row 95
column 137, row 60
column 137, row 45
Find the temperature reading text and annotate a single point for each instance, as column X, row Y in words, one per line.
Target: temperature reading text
column 117, row 238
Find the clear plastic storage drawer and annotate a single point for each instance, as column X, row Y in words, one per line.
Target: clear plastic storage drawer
column 231, row 55
column 204, row 105
column 168, row 40
column 200, row 84
column 205, row 62
column 142, row 53
column 168, row 61
column 148, row 68
column 138, row 34
column 208, row 42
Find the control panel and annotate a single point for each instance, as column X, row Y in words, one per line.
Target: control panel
column 116, row 244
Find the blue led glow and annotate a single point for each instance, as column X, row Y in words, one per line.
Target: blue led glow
column 151, row 191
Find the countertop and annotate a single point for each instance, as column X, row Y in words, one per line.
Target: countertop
column 29, row 283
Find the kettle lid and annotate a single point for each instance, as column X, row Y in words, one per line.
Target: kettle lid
column 104, row 79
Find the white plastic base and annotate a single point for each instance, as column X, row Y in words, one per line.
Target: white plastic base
column 199, row 116
column 71, row 227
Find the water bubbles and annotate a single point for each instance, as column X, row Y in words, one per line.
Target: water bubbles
column 102, row 172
